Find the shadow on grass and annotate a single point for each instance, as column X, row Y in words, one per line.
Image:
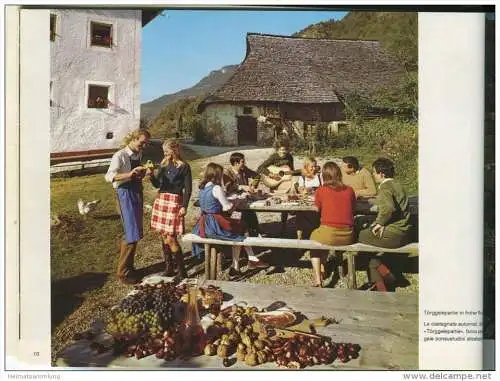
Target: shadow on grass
column 81, row 172
column 107, row 217
column 151, row 269
column 68, row 294
column 190, row 262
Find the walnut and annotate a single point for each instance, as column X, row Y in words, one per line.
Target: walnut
column 251, row 359
column 222, row 351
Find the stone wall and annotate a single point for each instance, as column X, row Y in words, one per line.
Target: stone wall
column 75, row 64
column 220, row 121
column 220, row 124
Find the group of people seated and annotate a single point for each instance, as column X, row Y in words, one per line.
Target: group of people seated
column 335, row 189
column 335, row 192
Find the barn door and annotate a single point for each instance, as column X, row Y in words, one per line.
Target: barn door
column 247, row 130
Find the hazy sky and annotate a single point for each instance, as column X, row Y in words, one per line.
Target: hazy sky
column 183, row 46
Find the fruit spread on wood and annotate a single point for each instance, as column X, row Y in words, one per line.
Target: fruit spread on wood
column 164, row 320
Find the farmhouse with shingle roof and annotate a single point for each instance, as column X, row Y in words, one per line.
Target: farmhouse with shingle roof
column 293, row 79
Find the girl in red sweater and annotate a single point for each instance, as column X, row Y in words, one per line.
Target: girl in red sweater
column 336, row 203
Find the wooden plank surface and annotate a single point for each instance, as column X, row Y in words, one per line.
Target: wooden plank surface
column 289, row 243
column 384, row 324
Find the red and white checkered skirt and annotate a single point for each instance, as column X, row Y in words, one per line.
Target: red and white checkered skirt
column 165, row 217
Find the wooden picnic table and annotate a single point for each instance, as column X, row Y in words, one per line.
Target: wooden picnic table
column 363, row 206
column 385, row 324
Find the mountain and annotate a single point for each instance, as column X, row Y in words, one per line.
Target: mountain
column 396, row 31
column 211, row 82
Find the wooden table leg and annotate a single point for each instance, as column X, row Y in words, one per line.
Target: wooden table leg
column 213, row 263
column 284, row 220
column 207, row 261
column 340, row 263
column 351, row 269
column 218, row 267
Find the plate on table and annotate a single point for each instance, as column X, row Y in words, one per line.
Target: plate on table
column 277, row 319
column 289, row 203
column 258, row 204
column 236, row 196
column 258, row 196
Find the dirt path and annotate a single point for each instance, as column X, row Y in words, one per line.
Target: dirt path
column 254, row 155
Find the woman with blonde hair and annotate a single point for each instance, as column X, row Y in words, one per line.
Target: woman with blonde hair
column 308, row 182
column 126, row 173
column 336, row 203
column 310, row 178
column 174, row 181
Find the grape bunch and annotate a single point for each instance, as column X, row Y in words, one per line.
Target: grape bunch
column 153, row 323
column 135, row 304
column 159, row 298
column 162, row 304
column 124, row 325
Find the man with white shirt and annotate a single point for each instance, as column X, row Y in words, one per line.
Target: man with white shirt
column 126, row 173
column 391, row 228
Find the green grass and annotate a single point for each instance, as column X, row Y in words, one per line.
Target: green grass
column 81, row 244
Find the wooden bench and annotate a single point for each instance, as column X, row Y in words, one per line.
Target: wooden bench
column 213, row 258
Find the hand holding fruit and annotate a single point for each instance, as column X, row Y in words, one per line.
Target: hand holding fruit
column 136, row 171
column 149, row 165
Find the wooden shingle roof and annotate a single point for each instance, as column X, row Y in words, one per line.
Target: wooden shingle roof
column 305, row 70
column 149, row 14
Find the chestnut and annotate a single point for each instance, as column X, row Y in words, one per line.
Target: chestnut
column 160, row 354
column 227, row 362
column 280, row 360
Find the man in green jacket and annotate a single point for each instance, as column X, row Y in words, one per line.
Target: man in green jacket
column 392, row 228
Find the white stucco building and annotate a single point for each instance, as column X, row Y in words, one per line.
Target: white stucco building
column 95, row 78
